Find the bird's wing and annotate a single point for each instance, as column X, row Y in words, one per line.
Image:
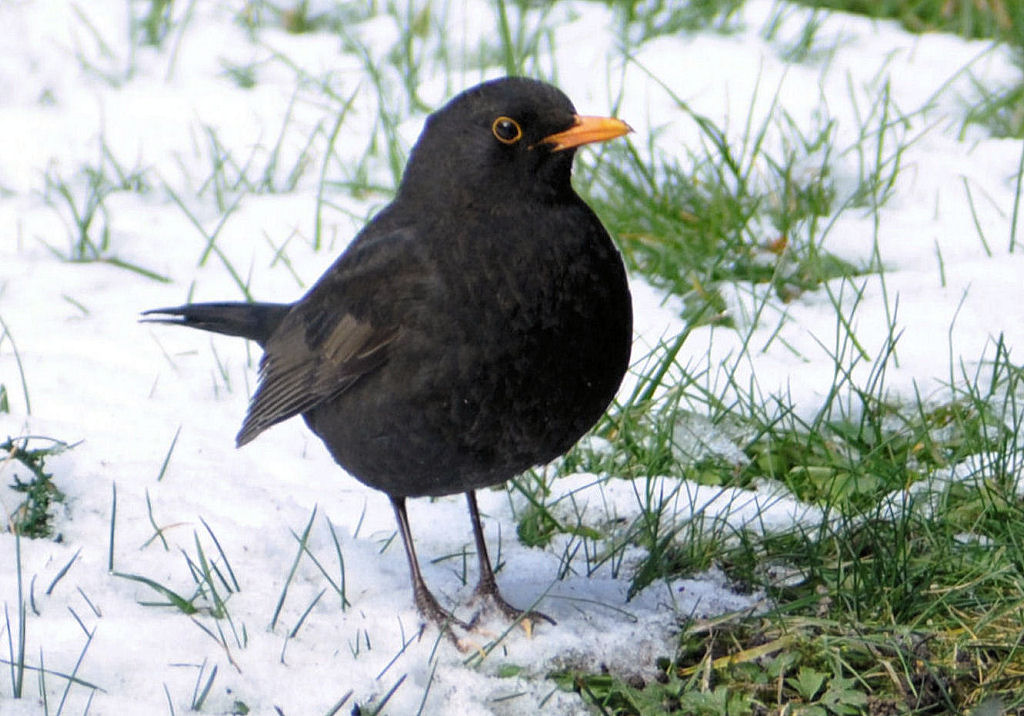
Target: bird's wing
column 295, row 377
column 322, row 347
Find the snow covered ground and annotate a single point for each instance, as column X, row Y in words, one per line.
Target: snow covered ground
column 76, row 95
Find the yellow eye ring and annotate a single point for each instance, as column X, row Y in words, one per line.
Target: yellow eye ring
column 506, row 130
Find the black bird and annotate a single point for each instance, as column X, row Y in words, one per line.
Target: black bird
column 477, row 326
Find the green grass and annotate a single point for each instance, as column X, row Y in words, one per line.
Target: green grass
column 716, row 216
column 33, row 517
column 17, row 661
column 997, row 109
column 7, row 338
column 906, row 595
column 648, row 20
column 81, row 203
column 972, row 19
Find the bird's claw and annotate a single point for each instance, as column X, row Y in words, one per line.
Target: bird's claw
column 434, row 613
column 492, row 601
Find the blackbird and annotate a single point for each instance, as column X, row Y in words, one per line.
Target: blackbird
column 479, row 325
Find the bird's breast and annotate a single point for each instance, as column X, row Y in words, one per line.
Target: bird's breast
column 512, row 351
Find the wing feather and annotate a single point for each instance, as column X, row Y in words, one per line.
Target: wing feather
column 295, row 378
column 342, row 329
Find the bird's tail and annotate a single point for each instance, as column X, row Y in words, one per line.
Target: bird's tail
column 255, row 321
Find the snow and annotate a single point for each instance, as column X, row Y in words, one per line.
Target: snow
column 74, row 95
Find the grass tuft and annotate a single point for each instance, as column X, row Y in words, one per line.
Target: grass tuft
column 33, row 518
column 730, row 212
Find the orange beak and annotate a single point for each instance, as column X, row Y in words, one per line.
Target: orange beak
column 587, row 130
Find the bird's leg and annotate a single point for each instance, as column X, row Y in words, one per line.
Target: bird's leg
column 425, row 601
column 487, row 586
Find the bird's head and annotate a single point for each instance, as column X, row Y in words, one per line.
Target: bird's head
column 510, row 135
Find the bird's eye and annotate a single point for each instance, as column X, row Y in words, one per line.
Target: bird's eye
column 506, row 130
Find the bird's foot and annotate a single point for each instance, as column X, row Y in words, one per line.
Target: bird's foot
column 434, row 613
column 492, row 601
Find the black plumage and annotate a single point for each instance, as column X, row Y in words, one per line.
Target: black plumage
column 477, row 326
